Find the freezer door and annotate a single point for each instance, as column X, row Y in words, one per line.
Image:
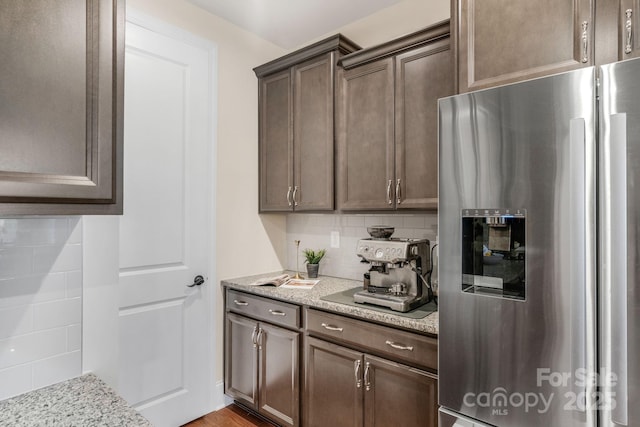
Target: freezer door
column 517, row 185
column 619, row 236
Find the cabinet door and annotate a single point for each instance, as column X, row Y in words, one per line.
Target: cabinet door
column 422, row 76
column 333, row 385
column 276, row 143
column 617, row 25
column 397, row 395
column 366, row 174
column 313, row 132
column 61, row 111
column 500, row 41
column 279, row 374
column 241, row 359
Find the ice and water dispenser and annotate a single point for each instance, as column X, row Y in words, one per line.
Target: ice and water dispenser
column 494, row 252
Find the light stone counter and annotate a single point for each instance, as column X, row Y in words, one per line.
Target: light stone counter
column 81, row 401
column 327, row 286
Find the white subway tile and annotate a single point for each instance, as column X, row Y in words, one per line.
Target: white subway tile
column 431, row 220
column 57, row 313
column 355, row 221
column 314, row 232
column 57, row 258
column 327, row 220
column 28, row 348
column 74, row 337
column 32, row 289
column 15, row 381
column 33, row 231
column 40, row 295
column 74, row 230
column 15, row 262
column 413, row 221
column 74, row 284
column 16, row 321
column 55, row 369
column 371, row 220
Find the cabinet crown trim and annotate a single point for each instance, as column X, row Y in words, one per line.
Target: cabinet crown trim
column 336, row 42
column 396, row 46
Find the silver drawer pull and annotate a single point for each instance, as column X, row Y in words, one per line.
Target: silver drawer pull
column 240, row 302
column 277, row 312
column 331, row 327
column 399, row 346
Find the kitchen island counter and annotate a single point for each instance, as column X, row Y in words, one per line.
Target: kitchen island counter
column 81, row 401
column 327, row 286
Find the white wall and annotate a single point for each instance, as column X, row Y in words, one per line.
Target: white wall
column 40, row 302
column 402, row 18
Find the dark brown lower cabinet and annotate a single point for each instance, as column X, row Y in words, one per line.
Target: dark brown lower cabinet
column 398, row 395
column 345, row 387
column 333, row 390
column 262, row 369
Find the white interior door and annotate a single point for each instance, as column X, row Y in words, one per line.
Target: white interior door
column 166, row 333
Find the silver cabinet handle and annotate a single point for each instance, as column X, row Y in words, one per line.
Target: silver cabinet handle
column 398, row 201
column 585, row 41
column 253, row 336
column 259, row 338
column 277, row 312
column 629, row 31
column 289, row 202
column 242, row 303
column 357, row 374
column 389, row 184
column 367, row 378
column 331, row 327
column 399, row 346
column 295, row 192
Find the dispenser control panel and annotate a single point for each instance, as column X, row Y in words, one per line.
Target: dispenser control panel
column 391, row 251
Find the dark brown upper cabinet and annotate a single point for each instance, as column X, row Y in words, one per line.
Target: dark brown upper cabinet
column 61, row 92
column 387, row 122
column 498, row 42
column 617, row 30
column 296, row 127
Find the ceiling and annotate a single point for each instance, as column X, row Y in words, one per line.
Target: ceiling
column 291, row 23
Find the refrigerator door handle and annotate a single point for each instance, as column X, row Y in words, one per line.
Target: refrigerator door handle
column 616, row 261
column 578, row 249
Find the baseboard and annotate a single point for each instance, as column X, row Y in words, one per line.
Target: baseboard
column 220, row 399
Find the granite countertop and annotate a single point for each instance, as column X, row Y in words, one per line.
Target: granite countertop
column 327, row 286
column 81, row 401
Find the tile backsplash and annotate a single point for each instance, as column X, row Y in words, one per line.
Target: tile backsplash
column 314, row 232
column 40, row 302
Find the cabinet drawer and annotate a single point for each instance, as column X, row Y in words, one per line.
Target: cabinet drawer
column 413, row 349
column 276, row 312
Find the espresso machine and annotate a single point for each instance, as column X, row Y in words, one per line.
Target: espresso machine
column 397, row 276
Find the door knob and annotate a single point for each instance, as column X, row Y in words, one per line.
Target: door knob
column 197, row 281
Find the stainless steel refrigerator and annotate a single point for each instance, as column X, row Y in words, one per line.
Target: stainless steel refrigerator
column 539, row 210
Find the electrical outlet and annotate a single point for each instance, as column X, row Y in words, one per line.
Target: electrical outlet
column 335, row 239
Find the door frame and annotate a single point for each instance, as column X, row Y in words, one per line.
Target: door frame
column 100, row 334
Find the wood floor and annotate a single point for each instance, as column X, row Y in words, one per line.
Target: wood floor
column 230, row 416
